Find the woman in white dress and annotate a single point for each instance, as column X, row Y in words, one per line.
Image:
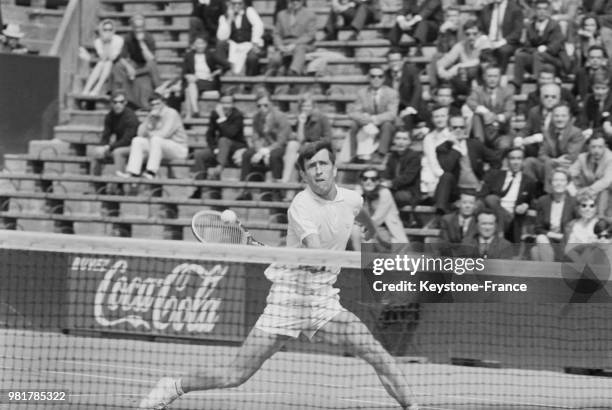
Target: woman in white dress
column 108, row 47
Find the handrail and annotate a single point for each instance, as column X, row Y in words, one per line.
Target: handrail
column 75, row 29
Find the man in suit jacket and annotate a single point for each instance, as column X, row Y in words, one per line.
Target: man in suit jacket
column 224, row 137
column 509, row 194
column 462, row 160
column 204, row 19
column 421, row 19
column 461, row 224
column 547, row 75
column 592, row 171
column 560, row 148
column 554, row 212
column 539, row 119
column 376, row 105
column 544, row 44
column 603, row 10
column 404, row 77
column 271, row 131
column 487, row 243
column 502, row 21
column 294, row 35
column 598, row 106
column 492, row 105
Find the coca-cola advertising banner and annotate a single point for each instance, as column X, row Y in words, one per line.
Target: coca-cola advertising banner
column 166, row 297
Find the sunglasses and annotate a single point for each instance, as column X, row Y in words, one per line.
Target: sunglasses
column 603, row 236
column 376, row 76
column 107, row 29
column 369, row 178
column 263, row 105
column 458, row 127
column 118, row 101
column 587, row 205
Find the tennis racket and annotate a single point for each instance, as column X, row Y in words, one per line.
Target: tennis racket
column 208, row 227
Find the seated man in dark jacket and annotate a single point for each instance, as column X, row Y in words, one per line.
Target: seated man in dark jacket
column 204, row 18
column 487, row 243
column 224, row 137
column 403, row 171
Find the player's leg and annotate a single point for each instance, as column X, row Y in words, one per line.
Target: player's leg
column 346, row 329
column 256, row 349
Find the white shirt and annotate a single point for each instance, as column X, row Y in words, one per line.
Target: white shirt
column 332, row 221
column 556, row 212
column 202, row 71
column 508, row 202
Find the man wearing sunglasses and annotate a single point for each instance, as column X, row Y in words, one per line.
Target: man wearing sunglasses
column 592, row 172
column 120, row 126
column 375, row 111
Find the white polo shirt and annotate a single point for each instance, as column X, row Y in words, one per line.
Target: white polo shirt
column 332, row 220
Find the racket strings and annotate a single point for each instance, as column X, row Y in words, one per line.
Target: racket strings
column 210, row 228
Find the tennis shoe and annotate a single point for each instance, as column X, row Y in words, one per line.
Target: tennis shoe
column 161, row 396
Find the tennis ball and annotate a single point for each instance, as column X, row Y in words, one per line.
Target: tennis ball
column 229, row 216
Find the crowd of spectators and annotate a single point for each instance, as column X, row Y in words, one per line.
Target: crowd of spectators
column 487, row 155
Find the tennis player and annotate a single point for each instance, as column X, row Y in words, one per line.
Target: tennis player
column 302, row 299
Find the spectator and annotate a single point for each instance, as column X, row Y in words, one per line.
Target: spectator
column 502, row 22
column 431, row 170
column 582, row 229
column 554, row 211
column 565, row 13
column 492, row 106
column 240, row 35
column 463, row 57
column 588, row 35
column 108, row 47
column 161, row 136
column 539, row 119
column 462, row 160
column 351, row 14
column 596, row 60
column 450, row 33
column 224, row 137
column 136, row 72
column 598, row 105
column 204, row 20
column 312, row 125
column 518, row 126
column 544, row 45
column 271, row 131
column 382, row 209
column 121, row 125
column 406, row 80
column 420, row 19
column 487, row 243
column 602, row 9
column 374, row 114
column 592, row 171
column 403, row 173
column 201, row 70
column 547, row 76
column 461, row 224
column 10, row 40
column 294, row 35
column 560, row 148
column 443, row 96
column 509, row 194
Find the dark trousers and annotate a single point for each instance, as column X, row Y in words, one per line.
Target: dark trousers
column 276, row 163
column 446, row 193
column 385, row 137
column 503, row 55
column 355, row 18
column 532, row 61
column 205, row 158
column 425, row 31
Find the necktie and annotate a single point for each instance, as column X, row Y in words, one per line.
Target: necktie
column 484, row 248
column 594, row 167
column 558, row 143
column 507, row 187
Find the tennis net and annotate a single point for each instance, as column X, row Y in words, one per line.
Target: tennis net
column 97, row 321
